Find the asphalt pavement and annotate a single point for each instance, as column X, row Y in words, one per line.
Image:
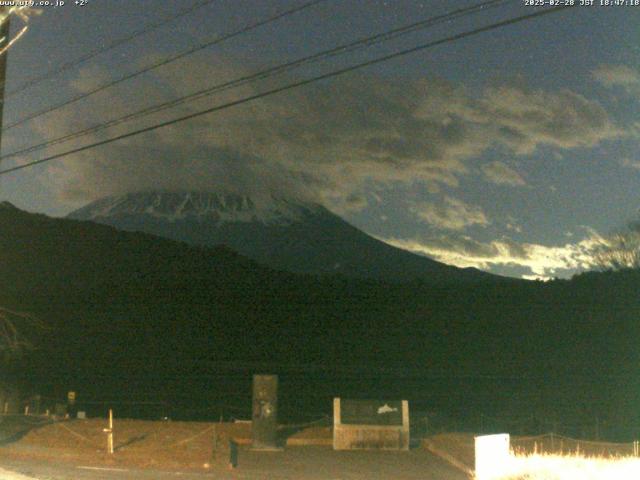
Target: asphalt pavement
column 298, row 463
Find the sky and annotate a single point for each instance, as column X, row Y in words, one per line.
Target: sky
column 514, row 150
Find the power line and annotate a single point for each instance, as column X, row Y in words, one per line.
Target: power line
column 166, row 61
column 339, row 50
column 293, row 85
column 68, row 65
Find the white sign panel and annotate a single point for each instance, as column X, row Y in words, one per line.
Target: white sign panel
column 492, row 456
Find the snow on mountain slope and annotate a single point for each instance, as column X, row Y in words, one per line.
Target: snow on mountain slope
column 283, row 233
column 216, row 207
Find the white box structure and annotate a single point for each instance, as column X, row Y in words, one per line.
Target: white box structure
column 492, row 456
column 370, row 425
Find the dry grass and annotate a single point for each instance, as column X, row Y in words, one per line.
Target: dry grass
column 571, row 467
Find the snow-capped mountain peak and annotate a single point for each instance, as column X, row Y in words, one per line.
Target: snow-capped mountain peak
column 217, row 207
column 282, row 233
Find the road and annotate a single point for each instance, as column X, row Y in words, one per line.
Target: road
column 297, row 463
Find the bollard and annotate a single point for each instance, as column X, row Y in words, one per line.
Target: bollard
column 233, row 454
column 109, row 432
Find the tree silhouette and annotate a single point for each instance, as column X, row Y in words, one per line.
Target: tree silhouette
column 621, row 250
column 14, row 340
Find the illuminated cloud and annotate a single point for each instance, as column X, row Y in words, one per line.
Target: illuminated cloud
column 542, row 261
column 89, row 79
column 502, row 174
column 452, row 214
column 525, row 119
column 627, row 162
column 613, row 76
column 331, row 140
column 542, row 278
column 513, row 225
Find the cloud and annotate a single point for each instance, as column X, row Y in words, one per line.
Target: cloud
column 174, row 169
column 612, row 76
column 511, row 223
column 540, row 260
column 627, row 162
column 452, row 214
column 524, row 120
column 514, row 227
column 541, row 278
column 89, row 79
column 502, row 174
column 330, row 140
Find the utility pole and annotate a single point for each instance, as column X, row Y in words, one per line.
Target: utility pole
column 4, row 40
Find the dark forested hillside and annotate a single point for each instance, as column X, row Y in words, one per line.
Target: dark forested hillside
column 131, row 315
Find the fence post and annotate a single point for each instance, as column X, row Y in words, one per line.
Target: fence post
column 109, row 432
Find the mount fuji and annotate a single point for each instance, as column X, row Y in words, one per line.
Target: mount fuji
column 282, row 233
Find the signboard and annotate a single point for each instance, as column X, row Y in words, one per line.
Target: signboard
column 370, row 424
column 371, row 412
column 492, row 456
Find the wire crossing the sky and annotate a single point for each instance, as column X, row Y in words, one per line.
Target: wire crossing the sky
column 167, row 61
column 297, row 84
column 116, row 43
column 323, row 55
